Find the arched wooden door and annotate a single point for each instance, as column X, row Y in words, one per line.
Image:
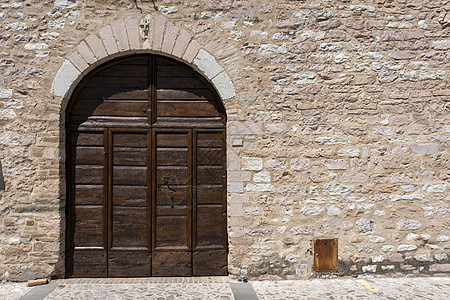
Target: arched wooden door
column 146, row 172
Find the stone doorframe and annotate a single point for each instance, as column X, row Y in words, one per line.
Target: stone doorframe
column 154, row 34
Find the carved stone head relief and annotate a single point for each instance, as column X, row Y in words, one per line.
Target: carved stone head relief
column 144, row 27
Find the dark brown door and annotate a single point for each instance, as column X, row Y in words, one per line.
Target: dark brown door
column 146, row 172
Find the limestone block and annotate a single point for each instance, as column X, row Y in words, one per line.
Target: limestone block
column 64, row 4
column 243, row 15
column 396, row 258
column 333, row 211
column 334, row 189
column 235, row 187
column 272, row 49
column 274, row 164
column 353, row 177
column 9, row 140
column 405, row 247
column 277, row 128
column 335, row 164
column 440, row 256
column 7, row 114
column 303, row 230
column 409, row 225
column 435, row 188
column 207, row 64
column 96, row 46
column 132, row 28
column 191, row 51
column 77, row 60
column 86, row 53
column 300, row 164
column 261, row 177
column 181, row 43
column 239, row 176
column 261, row 187
column 402, row 55
column 120, row 34
column 387, row 248
column 376, row 239
column 292, row 190
column 159, row 30
column 6, row 93
column 170, row 37
column 244, row 128
column 440, row 268
column 64, row 78
column 425, row 149
column 224, row 86
column 252, row 163
column 235, row 210
column 167, row 10
column 441, row 45
column 107, row 36
column 35, row 46
column 423, row 257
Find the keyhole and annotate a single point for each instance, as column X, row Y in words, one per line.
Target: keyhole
column 171, row 200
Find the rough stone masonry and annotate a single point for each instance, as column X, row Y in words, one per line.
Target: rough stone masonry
column 338, row 125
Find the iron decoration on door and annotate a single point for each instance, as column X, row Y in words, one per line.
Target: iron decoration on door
column 146, row 172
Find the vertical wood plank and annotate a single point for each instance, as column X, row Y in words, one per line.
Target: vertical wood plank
column 108, row 191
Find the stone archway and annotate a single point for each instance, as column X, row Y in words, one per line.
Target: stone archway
column 127, row 37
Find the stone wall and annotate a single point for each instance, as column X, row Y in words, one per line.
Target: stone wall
column 339, row 128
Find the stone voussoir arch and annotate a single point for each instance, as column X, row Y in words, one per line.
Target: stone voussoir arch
column 127, row 36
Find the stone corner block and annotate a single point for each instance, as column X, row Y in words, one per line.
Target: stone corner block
column 65, row 77
column 207, row 64
column 224, row 86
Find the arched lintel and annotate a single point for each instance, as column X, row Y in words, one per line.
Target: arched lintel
column 123, row 38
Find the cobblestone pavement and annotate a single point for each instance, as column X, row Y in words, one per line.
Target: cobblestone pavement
column 13, row 290
column 369, row 288
column 157, row 291
column 219, row 288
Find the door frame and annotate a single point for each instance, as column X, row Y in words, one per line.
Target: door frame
column 152, row 128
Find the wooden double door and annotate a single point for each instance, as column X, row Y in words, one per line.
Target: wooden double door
column 146, row 173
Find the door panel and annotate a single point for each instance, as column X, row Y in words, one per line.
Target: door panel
column 129, row 231
column 210, row 263
column 129, row 263
column 88, row 263
column 209, row 257
column 176, row 263
column 89, row 226
column 129, row 228
column 172, row 192
column 87, row 223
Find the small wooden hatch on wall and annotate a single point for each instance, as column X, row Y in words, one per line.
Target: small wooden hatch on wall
column 326, row 255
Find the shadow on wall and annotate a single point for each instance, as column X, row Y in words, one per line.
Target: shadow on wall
column 2, row 180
